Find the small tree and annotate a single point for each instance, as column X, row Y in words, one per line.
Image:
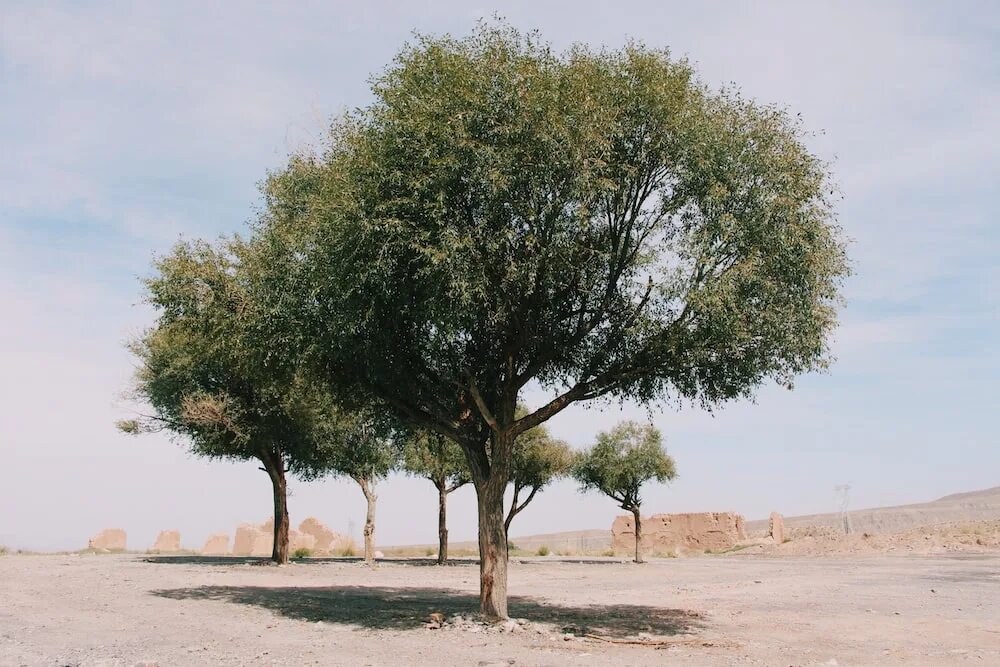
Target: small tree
column 209, row 388
column 538, row 460
column 432, row 456
column 621, row 461
column 359, row 444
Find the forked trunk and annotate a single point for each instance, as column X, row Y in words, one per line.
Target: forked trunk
column 638, row 536
column 369, row 520
column 442, row 524
column 492, row 549
column 515, row 509
column 275, row 469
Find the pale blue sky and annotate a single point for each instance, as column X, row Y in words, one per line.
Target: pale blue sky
column 126, row 125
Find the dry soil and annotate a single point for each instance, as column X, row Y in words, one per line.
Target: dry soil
column 719, row 610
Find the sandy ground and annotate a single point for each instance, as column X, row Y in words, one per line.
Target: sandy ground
column 969, row 537
column 724, row 610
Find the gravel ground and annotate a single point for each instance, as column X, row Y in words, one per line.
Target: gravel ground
column 722, row 610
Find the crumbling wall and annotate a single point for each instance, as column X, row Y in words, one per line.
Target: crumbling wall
column 110, row 539
column 216, row 545
column 168, row 541
column 698, row 531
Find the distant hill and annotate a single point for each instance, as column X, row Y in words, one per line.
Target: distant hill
column 969, row 506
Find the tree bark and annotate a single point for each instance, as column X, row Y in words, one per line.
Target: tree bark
column 369, row 520
column 492, row 549
column 638, row 535
column 442, row 524
column 275, row 468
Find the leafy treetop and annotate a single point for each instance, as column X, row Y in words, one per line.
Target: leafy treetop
column 209, row 387
column 622, row 460
column 433, row 456
column 596, row 221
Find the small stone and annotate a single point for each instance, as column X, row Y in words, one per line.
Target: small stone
column 569, row 636
column 511, row 625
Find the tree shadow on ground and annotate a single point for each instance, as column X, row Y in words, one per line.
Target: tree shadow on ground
column 384, row 608
column 263, row 560
column 396, row 560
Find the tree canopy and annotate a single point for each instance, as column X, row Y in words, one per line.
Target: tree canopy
column 622, row 460
column 434, row 457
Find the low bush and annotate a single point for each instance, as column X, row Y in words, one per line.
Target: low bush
column 349, row 549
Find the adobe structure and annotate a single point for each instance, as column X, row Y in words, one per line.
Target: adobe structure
column 697, row 531
column 109, row 539
column 257, row 540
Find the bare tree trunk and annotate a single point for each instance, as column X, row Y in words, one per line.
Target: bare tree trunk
column 638, row 535
column 515, row 509
column 512, row 511
column 369, row 520
column 442, row 523
column 492, row 549
column 275, row 468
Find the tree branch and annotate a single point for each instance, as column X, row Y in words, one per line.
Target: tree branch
column 527, row 500
column 484, row 410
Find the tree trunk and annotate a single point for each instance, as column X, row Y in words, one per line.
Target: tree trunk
column 638, row 535
column 369, row 521
column 442, row 524
column 492, row 548
column 275, row 468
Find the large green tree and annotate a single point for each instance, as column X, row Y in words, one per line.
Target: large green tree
column 435, row 457
column 620, row 462
column 596, row 222
column 213, row 390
